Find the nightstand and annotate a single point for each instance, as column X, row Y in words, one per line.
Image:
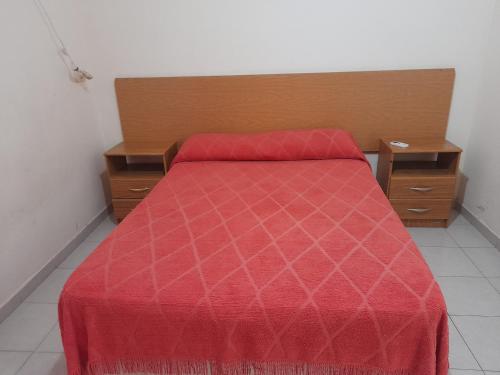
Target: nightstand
column 133, row 170
column 420, row 180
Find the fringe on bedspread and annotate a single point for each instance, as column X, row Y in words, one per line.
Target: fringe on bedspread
column 235, row 368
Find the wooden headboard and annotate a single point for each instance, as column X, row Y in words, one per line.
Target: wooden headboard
column 395, row 104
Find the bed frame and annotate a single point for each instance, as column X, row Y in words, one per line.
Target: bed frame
column 372, row 105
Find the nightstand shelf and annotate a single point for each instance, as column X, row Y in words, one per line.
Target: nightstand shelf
column 133, row 171
column 420, row 168
column 139, row 170
column 420, row 180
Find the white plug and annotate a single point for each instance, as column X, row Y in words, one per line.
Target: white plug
column 77, row 75
column 83, row 73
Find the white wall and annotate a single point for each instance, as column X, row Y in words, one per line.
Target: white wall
column 50, row 145
column 482, row 163
column 190, row 37
column 53, row 131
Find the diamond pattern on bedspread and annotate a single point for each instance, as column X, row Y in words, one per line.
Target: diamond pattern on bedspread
column 257, row 261
column 327, row 143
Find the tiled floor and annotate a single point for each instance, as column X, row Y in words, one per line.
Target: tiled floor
column 466, row 265
column 30, row 343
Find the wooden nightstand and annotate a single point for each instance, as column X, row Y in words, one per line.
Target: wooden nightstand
column 420, row 180
column 133, row 170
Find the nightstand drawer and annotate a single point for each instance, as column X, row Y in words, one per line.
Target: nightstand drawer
column 422, row 187
column 132, row 188
column 122, row 207
column 422, row 208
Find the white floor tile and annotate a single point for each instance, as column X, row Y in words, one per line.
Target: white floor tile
column 458, row 219
column 50, row 289
column 454, row 371
column 44, row 364
column 486, row 258
column 483, row 338
column 432, row 237
column 102, row 231
column 78, row 255
column 468, row 236
column 28, row 325
column 470, row 296
column 52, row 342
column 449, row 261
column 460, row 356
column 10, row 362
column 496, row 282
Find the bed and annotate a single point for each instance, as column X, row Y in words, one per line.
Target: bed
column 274, row 253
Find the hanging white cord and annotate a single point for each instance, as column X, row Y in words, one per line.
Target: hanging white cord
column 81, row 74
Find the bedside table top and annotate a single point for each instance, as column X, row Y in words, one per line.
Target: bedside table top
column 138, row 149
column 417, row 146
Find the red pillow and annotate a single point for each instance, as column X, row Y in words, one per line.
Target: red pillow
column 278, row 145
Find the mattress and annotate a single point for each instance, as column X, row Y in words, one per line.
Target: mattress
column 257, row 266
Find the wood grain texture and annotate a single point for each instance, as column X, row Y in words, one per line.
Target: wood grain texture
column 132, row 188
column 421, row 145
column 372, row 105
column 384, row 167
column 422, row 187
column 426, row 181
column 426, row 223
column 437, row 208
column 130, row 180
column 122, row 207
column 138, row 149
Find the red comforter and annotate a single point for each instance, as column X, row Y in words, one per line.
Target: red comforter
column 280, row 267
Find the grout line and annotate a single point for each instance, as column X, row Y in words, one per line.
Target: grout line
column 472, row 247
column 494, row 286
column 451, row 316
column 460, row 276
column 24, row 363
column 475, row 316
column 466, row 344
column 36, row 349
column 45, row 337
column 480, row 226
column 453, row 238
column 480, row 247
column 481, row 272
column 467, row 256
column 444, row 247
column 467, row 369
column 41, row 303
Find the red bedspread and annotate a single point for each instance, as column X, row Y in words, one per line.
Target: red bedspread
column 283, row 267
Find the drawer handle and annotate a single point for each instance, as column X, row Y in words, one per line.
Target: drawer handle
column 421, row 189
column 419, row 210
column 139, row 190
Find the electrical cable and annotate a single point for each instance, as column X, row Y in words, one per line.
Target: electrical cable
column 78, row 74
